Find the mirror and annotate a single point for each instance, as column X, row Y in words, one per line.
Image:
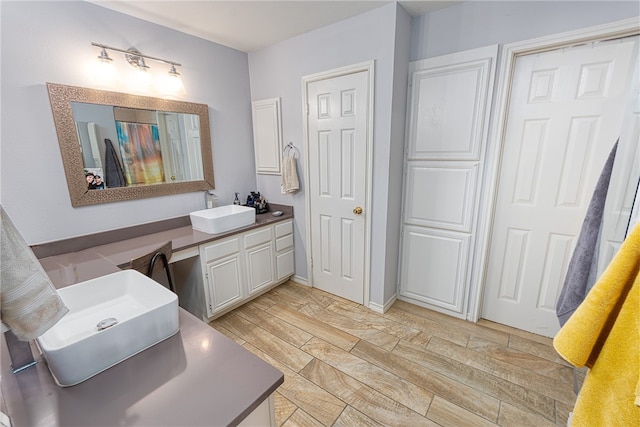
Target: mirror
column 118, row 146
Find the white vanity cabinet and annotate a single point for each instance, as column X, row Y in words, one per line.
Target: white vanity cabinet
column 239, row 268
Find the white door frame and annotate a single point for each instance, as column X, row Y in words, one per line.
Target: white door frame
column 510, row 52
column 367, row 66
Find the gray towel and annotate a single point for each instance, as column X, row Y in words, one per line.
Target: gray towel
column 30, row 304
column 113, row 175
column 581, row 274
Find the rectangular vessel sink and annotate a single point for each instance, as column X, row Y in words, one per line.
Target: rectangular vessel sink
column 110, row 319
column 223, row 218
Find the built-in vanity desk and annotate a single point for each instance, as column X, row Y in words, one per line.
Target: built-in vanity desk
column 196, row 377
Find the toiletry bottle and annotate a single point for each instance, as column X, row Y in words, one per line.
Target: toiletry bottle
column 236, row 201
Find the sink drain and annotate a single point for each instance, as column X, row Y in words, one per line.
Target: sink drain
column 106, row 323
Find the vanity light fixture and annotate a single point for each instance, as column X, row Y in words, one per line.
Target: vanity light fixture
column 137, row 60
column 104, row 56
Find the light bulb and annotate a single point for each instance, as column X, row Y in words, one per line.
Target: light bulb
column 104, row 74
column 171, row 83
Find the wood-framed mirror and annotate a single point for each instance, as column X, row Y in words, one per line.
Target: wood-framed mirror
column 118, row 146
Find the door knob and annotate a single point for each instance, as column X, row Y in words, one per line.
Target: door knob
column 357, row 210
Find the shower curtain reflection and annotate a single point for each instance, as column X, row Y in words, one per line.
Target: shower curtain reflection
column 141, row 155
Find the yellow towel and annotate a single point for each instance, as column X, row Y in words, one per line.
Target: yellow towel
column 604, row 335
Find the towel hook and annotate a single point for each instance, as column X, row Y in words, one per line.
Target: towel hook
column 289, row 148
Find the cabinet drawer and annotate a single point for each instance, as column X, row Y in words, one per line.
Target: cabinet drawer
column 257, row 237
column 221, row 249
column 284, row 228
column 284, row 242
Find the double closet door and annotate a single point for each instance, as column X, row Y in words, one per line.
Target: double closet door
column 566, row 108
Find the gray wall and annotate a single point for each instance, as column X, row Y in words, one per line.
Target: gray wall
column 483, row 23
column 51, row 42
column 277, row 71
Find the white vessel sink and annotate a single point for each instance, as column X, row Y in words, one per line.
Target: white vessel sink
column 76, row 348
column 223, row 218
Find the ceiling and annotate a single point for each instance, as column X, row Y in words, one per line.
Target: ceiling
column 251, row 25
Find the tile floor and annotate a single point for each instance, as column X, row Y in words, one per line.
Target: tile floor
column 346, row 365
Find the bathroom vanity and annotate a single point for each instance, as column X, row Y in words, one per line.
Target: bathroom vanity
column 213, row 273
column 230, row 271
column 196, row 377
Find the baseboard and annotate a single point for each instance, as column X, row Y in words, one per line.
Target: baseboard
column 382, row 308
column 299, row 280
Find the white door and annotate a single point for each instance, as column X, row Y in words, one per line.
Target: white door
column 337, row 150
column 565, row 114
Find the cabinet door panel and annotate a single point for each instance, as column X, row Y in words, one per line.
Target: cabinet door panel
column 267, row 135
column 434, row 269
column 441, row 196
column 260, row 267
column 224, row 281
column 284, row 264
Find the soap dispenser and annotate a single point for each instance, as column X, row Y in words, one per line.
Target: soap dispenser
column 236, row 201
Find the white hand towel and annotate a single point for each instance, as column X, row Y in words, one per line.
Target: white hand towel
column 29, row 302
column 290, row 183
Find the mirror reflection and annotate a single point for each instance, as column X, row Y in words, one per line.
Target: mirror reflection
column 129, row 146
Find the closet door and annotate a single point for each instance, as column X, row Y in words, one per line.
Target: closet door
column 449, row 102
column 566, row 109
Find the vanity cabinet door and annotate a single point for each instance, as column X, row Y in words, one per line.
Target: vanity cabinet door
column 224, row 283
column 258, row 248
column 284, row 264
column 260, row 267
column 222, row 261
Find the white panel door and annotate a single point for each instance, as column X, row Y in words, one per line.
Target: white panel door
column 337, row 176
column 565, row 114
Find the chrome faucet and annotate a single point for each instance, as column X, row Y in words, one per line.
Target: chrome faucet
column 210, row 199
column 19, row 352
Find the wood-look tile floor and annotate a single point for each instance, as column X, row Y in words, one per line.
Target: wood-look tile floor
column 346, row 365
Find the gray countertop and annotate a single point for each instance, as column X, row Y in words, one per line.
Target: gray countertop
column 197, row 377
column 69, row 267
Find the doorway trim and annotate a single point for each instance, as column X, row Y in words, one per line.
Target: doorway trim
column 506, row 65
column 368, row 67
